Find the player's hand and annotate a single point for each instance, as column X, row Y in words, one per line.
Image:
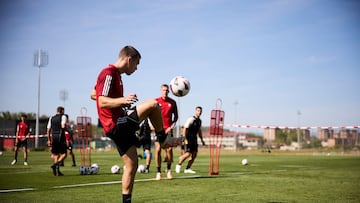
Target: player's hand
column 168, row 130
column 131, row 99
column 203, row 143
column 49, row 143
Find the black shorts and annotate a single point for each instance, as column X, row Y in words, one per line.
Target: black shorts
column 146, row 143
column 123, row 134
column 161, row 138
column 191, row 147
column 58, row 144
column 21, row 143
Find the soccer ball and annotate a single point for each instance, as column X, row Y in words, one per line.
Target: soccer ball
column 179, row 86
column 115, row 169
column 244, row 162
column 94, row 169
column 141, row 169
column 83, row 170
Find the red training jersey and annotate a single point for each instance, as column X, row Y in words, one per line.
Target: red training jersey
column 23, row 130
column 109, row 84
column 68, row 137
column 168, row 109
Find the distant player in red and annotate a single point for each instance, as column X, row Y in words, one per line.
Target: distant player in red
column 169, row 114
column 22, row 133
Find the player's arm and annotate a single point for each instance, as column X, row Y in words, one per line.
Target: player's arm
column 63, row 122
column 28, row 131
column 201, row 137
column 184, row 131
column 17, row 134
column 48, row 132
column 93, row 94
column 176, row 116
column 109, row 102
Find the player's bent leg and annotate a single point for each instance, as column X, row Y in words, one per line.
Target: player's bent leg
column 149, row 109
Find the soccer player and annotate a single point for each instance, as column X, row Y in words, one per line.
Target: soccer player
column 120, row 119
column 22, row 133
column 191, row 129
column 169, row 114
column 69, row 132
column 56, row 139
column 145, row 139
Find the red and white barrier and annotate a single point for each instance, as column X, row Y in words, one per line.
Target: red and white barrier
column 13, row 136
column 292, row 127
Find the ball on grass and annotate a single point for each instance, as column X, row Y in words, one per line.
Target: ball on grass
column 244, row 162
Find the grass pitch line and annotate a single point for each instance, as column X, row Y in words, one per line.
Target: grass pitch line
column 118, row 182
column 16, row 190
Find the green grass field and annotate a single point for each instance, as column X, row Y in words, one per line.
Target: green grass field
column 269, row 177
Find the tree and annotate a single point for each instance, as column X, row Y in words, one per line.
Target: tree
column 7, row 115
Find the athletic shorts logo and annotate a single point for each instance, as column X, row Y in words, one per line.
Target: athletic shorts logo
column 121, row 120
column 129, row 112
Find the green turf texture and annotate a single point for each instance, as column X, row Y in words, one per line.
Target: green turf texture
column 269, row 177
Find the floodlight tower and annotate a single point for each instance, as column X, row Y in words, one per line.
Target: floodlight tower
column 40, row 60
column 298, row 129
column 235, row 117
column 64, row 95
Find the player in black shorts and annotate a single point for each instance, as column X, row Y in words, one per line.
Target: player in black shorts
column 145, row 141
column 56, row 139
column 120, row 117
column 191, row 129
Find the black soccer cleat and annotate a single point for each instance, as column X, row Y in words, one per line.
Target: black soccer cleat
column 54, row 169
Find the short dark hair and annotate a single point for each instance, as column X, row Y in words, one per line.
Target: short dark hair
column 130, row 51
column 198, row 107
column 60, row 109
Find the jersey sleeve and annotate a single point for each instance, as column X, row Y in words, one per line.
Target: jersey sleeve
column 103, row 84
column 49, row 123
column 188, row 122
column 63, row 120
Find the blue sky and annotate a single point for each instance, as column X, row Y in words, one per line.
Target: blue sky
column 266, row 60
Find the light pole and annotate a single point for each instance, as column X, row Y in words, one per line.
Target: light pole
column 298, row 129
column 40, row 60
column 235, row 116
column 64, row 96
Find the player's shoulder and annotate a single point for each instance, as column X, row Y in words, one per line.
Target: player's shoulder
column 191, row 119
column 171, row 100
column 110, row 69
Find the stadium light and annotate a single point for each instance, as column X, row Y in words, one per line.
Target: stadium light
column 235, row 116
column 64, row 95
column 41, row 59
column 298, row 129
